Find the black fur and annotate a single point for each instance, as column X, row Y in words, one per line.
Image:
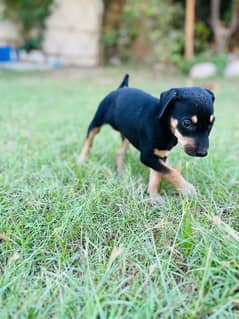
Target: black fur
column 145, row 120
column 125, row 81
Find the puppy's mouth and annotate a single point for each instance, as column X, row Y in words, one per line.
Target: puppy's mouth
column 190, row 146
column 192, row 151
column 189, row 149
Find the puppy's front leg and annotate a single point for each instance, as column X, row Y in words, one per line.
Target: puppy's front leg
column 153, row 186
column 175, row 178
column 169, row 173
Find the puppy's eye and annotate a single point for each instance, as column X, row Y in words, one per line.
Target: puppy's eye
column 187, row 123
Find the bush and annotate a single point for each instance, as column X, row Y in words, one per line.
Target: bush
column 30, row 16
column 201, row 37
column 163, row 24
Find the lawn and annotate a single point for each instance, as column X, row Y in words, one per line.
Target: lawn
column 83, row 242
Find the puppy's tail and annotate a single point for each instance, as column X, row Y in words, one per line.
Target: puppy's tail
column 125, row 82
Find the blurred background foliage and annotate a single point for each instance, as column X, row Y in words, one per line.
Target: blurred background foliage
column 143, row 31
column 30, row 18
column 152, row 31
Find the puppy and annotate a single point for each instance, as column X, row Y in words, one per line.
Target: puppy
column 154, row 126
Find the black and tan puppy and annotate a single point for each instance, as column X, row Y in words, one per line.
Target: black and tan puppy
column 154, row 126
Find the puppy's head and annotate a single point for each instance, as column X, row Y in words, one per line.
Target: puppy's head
column 190, row 114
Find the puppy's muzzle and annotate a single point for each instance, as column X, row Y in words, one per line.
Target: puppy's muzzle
column 202, row 153
column 194, row 151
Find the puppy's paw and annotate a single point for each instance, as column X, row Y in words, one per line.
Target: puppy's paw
column 188, row 190
column 82, row 158
column 156, row 199
column 120, row 170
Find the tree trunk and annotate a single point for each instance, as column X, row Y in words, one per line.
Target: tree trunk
column 113, row 10
column 222, row 33
column 189, row 29
column 142, row 47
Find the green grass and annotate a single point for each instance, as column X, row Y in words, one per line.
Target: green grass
column 82, row 242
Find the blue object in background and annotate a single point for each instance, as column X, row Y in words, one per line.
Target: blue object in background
column 8, row 54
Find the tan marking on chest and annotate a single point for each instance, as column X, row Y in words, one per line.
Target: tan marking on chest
column 161, row 153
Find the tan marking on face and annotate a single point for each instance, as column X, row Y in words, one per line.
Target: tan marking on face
column 184, row 140
column 161, row 153
column 88, row 143
column 194, row 119
column 121, row 155
column 154, row 183
column 174, row 124
column 211, row 118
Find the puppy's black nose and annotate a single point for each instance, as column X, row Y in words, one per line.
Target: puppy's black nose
column 201, row 153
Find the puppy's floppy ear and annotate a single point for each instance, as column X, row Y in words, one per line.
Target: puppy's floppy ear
column 212, row 94
column 166, row 98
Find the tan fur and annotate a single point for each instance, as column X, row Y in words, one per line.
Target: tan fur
column 184, row 140
column 161, row 153
column 87, row 145
column 174, row 123
column 121, row 155
column 211, row 118
column 194, row 119
column 176, row 179
column 154, row 183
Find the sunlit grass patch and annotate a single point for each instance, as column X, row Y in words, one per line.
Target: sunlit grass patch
column 84, row 242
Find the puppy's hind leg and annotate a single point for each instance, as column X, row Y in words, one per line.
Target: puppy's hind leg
column 93, row 129
column 121, row 155
column 88, row 143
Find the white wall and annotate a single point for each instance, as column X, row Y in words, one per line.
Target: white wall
column 73, row 32
column 8, row 31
